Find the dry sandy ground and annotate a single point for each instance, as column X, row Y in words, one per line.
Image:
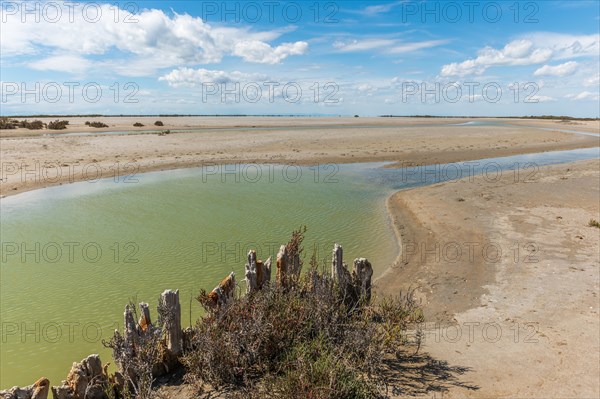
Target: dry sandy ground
column 521, row 309
column 33, row 162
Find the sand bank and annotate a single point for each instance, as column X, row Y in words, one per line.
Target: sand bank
column 34, row 162
column 510, row 270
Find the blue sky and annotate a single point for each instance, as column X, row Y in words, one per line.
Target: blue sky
column 276, row 57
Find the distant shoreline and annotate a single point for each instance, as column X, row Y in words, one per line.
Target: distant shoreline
column 406, row 141
column 540, row 117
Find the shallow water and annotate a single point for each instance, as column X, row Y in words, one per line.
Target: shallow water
column 73, row 255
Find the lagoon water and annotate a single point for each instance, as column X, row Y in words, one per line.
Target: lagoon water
column 73, row 255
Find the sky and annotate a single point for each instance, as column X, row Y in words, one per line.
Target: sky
column 367, row 58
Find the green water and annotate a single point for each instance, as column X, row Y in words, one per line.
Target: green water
column 183, row 230
column 169, row 230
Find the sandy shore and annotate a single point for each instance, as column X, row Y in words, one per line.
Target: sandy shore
column 510, row 271
column 30, row 162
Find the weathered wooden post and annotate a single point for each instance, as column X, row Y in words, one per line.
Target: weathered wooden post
column 38, row 390
column 363, row 272
column 258, row 274
column 294, row 266
column 222, row 293
column 337, row 265
column 144, row 322
column 282, row 266
column 129, row 331
column 170, row 312
column 266, row 272
column 252, row 278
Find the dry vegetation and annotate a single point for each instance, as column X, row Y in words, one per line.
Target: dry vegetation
column 301, row 340
column 96, row 124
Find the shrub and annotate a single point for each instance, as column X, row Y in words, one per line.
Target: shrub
column 594, row 223
column 7, row 123
column 137, row 371
column 96, row 124
column 138, row 124
column 303, row 341
column 33, row 125
column 58, row 125
column 158, row 123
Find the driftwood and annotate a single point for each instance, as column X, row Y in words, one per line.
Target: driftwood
column 222, row 292
column 144, row 323
column 282, row 266
column 130, row 331
column 339, row 271
column 38, row 390
column 258, row 274
column 363, row 272
column 355, row 286
column 86, row 380
column 288, row 267
column 170, row 312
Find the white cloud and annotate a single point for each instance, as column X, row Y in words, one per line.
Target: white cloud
column 380, row 9
column 363, row 45
column 151, row 41
column 408, row 47
column 517, row 52
column 564, row 46
column 593, row 80
column 193, row 77
column 540, row 99
column 260, row 52
column 584, row 95
column 390, row 46
column 536, row 48
column 73, row 64
column 566, row 69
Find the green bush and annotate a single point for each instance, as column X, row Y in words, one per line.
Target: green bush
column 158, row 123
column 138, row 124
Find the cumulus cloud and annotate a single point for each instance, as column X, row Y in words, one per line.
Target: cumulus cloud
column 260, row 52
column 150, row 37
column 518, row 52
column 194, row 77
column 537, row 48
column 566, row 69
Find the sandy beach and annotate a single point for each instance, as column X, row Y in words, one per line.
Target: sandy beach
column 31, row 160
column 508, row 274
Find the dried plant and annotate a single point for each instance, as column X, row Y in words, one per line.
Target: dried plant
column 301, row 341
